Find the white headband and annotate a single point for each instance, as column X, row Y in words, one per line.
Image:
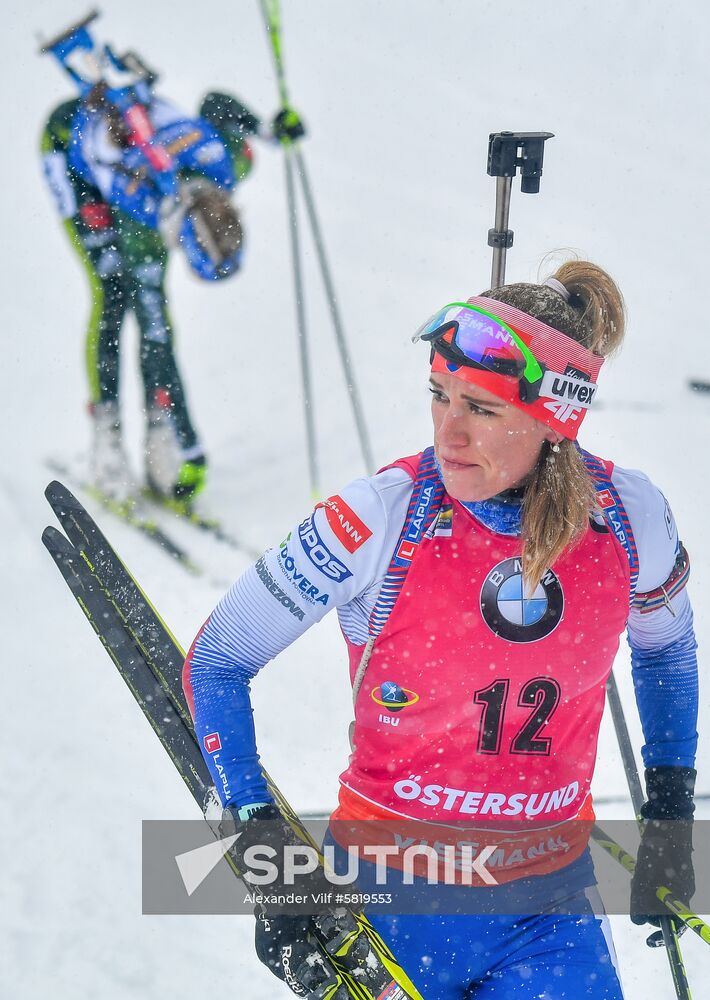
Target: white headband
column 558, row 287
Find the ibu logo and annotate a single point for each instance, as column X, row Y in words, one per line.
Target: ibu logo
column 391, row 696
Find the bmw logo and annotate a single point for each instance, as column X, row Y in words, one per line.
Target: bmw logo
column 512, row 614
column 393, row 697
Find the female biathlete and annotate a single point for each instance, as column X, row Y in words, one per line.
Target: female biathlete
column 481, row 588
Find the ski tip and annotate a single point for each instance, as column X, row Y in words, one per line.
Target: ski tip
column 53, row 539
column 57, row 493
column 54, row 489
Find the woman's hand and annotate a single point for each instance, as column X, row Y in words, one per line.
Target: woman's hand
column 665, row 857
column 287, row 946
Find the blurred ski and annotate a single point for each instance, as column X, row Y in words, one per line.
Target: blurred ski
column 209, row 525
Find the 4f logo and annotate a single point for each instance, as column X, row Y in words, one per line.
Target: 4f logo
column 563, row 411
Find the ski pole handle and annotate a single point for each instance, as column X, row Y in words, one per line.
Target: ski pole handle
column 677, row 907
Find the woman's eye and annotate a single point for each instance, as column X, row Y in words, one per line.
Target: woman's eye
column 441, row 397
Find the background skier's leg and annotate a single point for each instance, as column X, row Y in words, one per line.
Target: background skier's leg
column 174, row 456
column 95, row 240
column 100, row 255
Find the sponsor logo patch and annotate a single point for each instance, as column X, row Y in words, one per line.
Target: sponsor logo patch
column 319, row 553
column 347, row 527
column 290, row 570
column 212, row 743
column 276, row 591
column 577, row 373
column 568, row 389
column 443, row 524
column 513, row 614
column 393, row 992
column 393, row 697
column 406, row 550
column 563, row 411
column 415, row 525
column 606, row 500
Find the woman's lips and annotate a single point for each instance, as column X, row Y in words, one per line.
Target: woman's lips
column 449, row 463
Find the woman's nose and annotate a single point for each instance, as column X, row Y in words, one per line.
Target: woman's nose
column 452, row 429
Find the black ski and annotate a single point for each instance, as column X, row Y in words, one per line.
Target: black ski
column 150, row 661
column 158, row 709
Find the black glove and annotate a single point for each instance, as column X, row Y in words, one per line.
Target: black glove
column 287, row 946
column 287, row 126
column 267, row 828
column 665, row 854
column 228, row 115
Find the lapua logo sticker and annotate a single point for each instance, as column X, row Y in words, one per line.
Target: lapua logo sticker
column 212, row 743
column 606, row 500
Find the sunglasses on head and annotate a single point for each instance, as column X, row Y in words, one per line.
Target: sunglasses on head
column 466, row 335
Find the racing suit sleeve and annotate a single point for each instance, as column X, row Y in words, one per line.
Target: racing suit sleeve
column 338, row 552
column 660, row 629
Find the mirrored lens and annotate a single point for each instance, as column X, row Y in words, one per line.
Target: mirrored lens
column 485, row 341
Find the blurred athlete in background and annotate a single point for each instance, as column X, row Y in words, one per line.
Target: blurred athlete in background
column 123, row 222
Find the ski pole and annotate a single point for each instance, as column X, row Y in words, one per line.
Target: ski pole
column 271, row 15
column 670, row 935
column 301, row 325
column 272, row 21
column 358, row 414
column 675, row 906
column 506, row 152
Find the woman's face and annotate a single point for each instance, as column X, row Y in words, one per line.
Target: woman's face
column 483, row 445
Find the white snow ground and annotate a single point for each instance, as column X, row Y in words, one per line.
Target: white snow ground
column 399, row 99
